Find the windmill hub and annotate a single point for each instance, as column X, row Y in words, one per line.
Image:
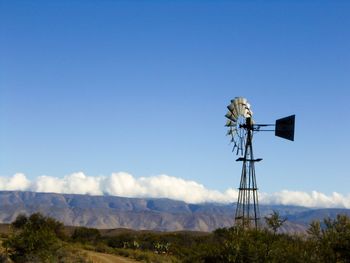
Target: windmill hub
column 248, row 125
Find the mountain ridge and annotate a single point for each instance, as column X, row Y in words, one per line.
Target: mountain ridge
column 161, row 214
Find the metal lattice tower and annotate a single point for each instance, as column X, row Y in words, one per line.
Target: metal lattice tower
column 247, row 210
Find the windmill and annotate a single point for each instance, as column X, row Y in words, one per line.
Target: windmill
column 241, row 128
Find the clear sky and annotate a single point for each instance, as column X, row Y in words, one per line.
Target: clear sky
column 142, row 87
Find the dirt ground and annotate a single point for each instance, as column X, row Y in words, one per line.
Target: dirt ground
column 107, row 258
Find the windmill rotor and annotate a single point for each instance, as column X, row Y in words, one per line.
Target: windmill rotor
column 238, row 113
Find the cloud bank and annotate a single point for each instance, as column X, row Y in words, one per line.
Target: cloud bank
column 161, row 186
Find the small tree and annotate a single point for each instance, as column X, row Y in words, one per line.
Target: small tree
column 314, row 230
column 34, row 239
column 274, row 221
column 20, row 221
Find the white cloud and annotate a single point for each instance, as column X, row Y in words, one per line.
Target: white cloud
column 124, row 184
column 76, row 183
column 17, row 182
column 313, row 199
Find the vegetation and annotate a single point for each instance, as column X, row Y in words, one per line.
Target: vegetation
column 86, row 235
column 274, row 221
column 39, row 239
column 42, row 239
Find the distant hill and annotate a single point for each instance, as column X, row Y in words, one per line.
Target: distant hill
column 144, row 213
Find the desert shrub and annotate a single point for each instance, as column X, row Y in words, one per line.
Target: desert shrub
column 4, row 258
column 32, row 245
column 103, row 248
column 241, row 245
column 121, row 241
column 122, row 252
column 35, row 239
column 20, row 221
column 331, row 242
column 86, row 235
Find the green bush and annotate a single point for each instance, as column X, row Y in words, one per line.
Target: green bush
column 42, row 239
column 36, row 239
column 86, row 235
column 332, row 242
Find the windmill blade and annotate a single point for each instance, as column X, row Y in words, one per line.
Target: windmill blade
column 285, row 127
column 230, row 116
column 242, row 109
column 232, row 109
column 234, row 146
column 245, row 111
column 229, row 132
column 237, row 108
column 241, row 102
column 230, row 123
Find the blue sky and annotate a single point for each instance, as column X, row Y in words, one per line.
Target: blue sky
column 142, row 87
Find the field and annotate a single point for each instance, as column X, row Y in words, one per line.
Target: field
column 42, row 239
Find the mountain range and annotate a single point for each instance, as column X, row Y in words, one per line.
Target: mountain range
column 160, row 214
